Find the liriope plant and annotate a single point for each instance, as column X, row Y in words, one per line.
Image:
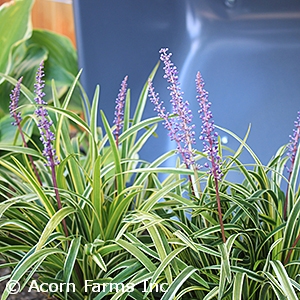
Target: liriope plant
column 257, row 254
column 120, row 231
column 68, row 203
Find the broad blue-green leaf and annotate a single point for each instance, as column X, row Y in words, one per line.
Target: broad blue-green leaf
column 15, row 27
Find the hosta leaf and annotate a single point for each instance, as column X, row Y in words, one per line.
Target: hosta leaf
column 14, row 28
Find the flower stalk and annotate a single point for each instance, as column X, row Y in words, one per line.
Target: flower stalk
column 292, row 151
column 119, row 109
column 210, row 143
column 14, row 104
column 47, row 136
column 179, row 126
column 181, row 129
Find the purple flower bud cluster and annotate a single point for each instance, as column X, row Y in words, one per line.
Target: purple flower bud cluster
column 159, row 108
column 294, row 142
column 162, row 113
column 14, row 102
column 208, row 134
column 44, row 123
column 119, row 109
column 180, row 128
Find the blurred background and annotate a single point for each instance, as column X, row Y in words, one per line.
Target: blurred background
column 248, row 52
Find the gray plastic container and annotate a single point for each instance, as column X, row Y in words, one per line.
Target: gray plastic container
column 248, row 52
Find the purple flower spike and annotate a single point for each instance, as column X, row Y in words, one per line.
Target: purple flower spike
column 208, row 134
column 159, row 108
column 44, row 124
column 162, row 113
column 294, row 142
column 119, row 109
column 14, row 102
column 292, row 150
column 210, row 143
column 182, row 129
